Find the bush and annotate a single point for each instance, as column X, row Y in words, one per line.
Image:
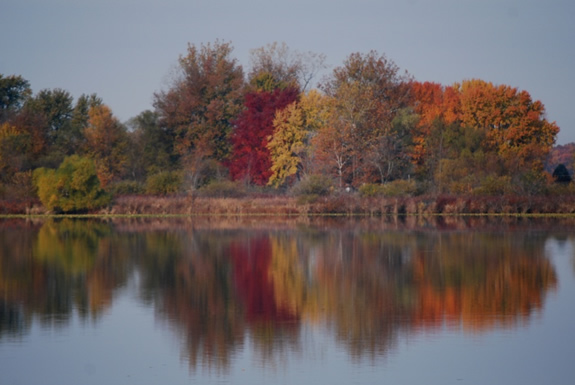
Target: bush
column 368, row 190
column 73, row 187
column 396, row 188
column 223, row 189
column 126, row 187
column 494, row 185
column 319, row 185
column 20, row 186
column 164, row 183
column 400, row 188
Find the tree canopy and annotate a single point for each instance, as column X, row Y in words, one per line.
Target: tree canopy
column 366, row 122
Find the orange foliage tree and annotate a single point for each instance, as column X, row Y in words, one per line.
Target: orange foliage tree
column 475, row 132
column 106, row 142
column 515, row 125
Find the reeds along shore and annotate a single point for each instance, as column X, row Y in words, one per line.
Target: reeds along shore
column 343, row 204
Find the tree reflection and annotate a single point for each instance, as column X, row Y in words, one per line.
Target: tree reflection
column 220, row 288
column 482, row 280
column 188, row 277
column 48, row 272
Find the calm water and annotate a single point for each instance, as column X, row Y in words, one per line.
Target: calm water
column 261, row 301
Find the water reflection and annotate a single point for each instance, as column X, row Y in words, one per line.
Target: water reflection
column 221, row 285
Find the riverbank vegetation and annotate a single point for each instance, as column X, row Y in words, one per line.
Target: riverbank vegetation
column 367, row 138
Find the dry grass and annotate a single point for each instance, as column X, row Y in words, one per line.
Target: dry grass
column 341, row 204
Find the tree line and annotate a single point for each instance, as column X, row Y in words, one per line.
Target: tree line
column 364, row 125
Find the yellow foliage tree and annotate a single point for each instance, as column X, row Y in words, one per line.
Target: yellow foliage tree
column 286, row 144
column 73, row 187
column 293, row 127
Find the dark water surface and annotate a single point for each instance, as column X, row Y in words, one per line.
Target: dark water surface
column 287, row 301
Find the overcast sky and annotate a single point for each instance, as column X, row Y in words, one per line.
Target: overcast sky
column 123, row 50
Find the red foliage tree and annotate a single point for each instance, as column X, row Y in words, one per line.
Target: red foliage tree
column 250, row 157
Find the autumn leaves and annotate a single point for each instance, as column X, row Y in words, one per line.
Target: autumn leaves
column 365, row 122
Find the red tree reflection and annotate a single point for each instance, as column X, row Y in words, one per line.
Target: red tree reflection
column 252, row 260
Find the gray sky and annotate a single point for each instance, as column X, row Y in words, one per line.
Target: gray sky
column 124, row 50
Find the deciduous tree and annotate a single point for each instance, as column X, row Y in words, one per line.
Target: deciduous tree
column 151, row 148
column 250, row 159
column 14, row 148
column 106, row 142
column 368, row 90
column 515, row 125
column 276, row 65
column 203, row 100
column 14, row 91
column 73, row 187
column 290, row 144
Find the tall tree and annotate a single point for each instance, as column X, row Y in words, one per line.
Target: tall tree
column 438, row 108
column 332, row 150
column 475, row 134
column 106, row 142
column 388, row 155
column 151, row 147
column 290, row 144
column 80, row 114
column 203, row 100
column 275, row 62
column 286, row 144
column 14, row 150
column 55, row 108
column 14, row 91
column 369, row 90
column 250, row 159
column 515, row 125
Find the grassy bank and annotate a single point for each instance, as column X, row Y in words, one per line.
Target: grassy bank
column 342, row 204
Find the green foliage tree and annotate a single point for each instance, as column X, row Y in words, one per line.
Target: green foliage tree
column 55, row 107
column 561, row 174
column 73, row 187
column 60, row 121
column 14, row 91
column 151, row 147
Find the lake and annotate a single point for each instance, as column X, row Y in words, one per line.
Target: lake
column 267, row 300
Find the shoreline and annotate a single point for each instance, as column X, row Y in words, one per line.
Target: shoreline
column 337, row 205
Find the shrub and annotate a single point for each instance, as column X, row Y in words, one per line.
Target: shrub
column 370, row 190
column 223, row 189
column 126, row 187
column 73, row 187
column 20, row 186
column 396, row 188
column 399, row 188
column 164, row 183
column 319, row 185
column 494, row 185
column 532, row 183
